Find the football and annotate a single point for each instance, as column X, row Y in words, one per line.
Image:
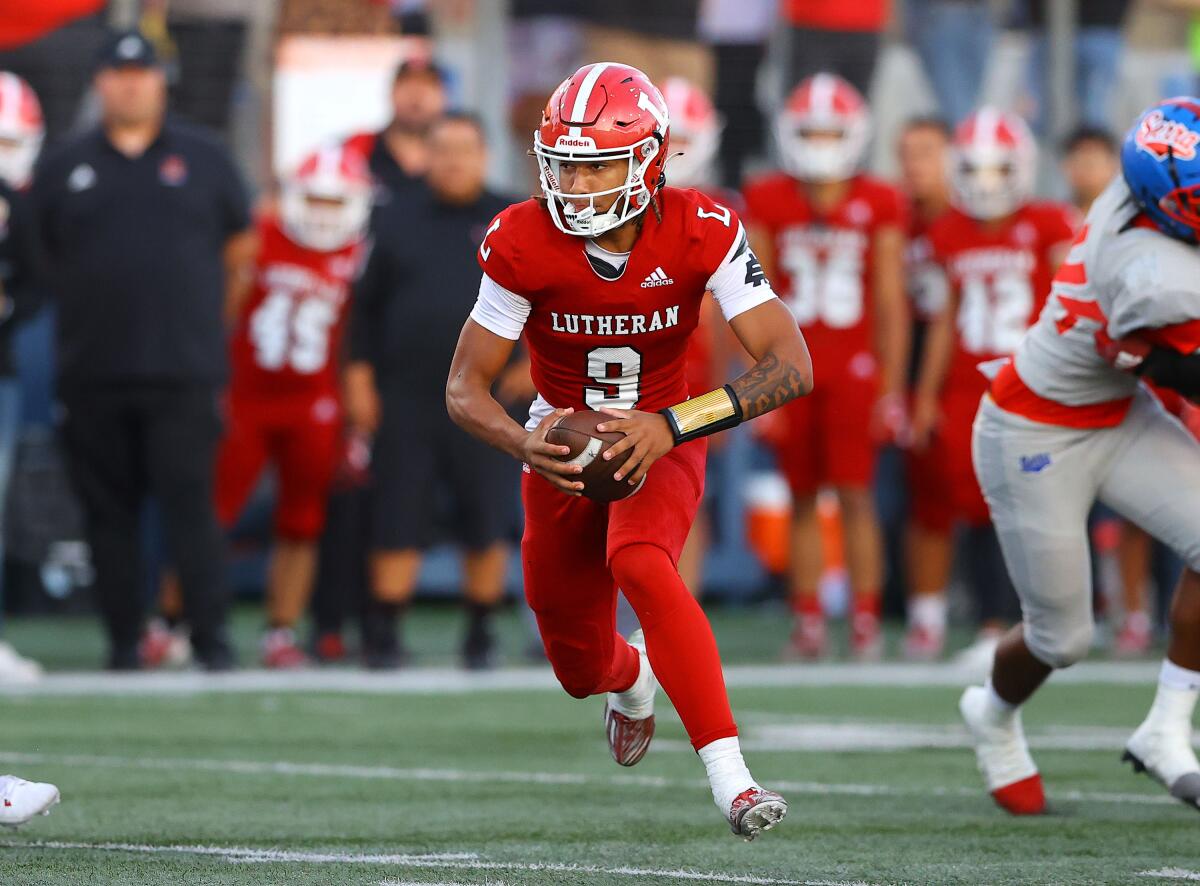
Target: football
column 578, row 431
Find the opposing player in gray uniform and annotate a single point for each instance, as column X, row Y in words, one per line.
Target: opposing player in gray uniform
column 1069, row 421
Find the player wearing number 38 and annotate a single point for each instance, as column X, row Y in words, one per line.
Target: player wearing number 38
column 604, row 277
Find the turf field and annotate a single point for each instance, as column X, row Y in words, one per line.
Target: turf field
column 434, row 777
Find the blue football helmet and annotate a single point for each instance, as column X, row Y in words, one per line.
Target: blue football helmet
column 1160, row 159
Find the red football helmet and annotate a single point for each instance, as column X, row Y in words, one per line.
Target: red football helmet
column 21, row 130
column 604, row 111
column 326, row 202
column 823, row 129
column 695, row 131
column 993, row 163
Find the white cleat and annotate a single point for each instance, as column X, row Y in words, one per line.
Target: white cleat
column 1166, row 755
column 21, row 801
column 754, row 811
column 15, row 668
column 1003, row 755
column 629, row 722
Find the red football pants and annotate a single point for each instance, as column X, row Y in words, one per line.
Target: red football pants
column 577, row 552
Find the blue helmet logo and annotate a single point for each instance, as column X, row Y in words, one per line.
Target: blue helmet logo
column 1160, row 162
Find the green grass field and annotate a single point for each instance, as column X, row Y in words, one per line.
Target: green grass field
column 429, row 778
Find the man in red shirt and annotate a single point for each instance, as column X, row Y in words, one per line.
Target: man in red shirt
column 999, row 249
column 834, row 238
column 604, row 278
column 283, row 403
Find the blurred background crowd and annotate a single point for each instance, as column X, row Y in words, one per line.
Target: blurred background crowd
column 237, row 244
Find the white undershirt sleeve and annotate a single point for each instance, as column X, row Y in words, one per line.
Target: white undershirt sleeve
column 732, row 284
column 500, row 311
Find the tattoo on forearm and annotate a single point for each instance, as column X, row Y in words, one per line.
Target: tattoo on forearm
column 767, row 385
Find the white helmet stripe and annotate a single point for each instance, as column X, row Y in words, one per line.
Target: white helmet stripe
column 987, row 128
column 821, row 97
column 10, row 102
column 584, row 95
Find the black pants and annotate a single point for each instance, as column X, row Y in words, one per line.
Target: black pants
column 850, row 54
column 736, row 79
column 122, row 443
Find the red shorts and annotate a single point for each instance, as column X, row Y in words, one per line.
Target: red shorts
column 944, row 488
column 301, row 437
column 569, row 540
column 825, row 438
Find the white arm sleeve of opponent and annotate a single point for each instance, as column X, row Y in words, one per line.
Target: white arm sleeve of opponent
column 500, row 311
column 738, row 283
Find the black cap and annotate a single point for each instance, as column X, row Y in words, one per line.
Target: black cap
column 420, row 66
column 127, row 48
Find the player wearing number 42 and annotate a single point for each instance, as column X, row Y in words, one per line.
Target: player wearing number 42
column 567, row 272
column 283, row 405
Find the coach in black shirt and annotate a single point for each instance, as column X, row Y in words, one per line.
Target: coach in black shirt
column 139, row 220
column 419, row 283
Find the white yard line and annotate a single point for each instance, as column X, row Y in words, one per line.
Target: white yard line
column 449, row 680
column 466, row 861
column 388, row 773
column 1171, row 874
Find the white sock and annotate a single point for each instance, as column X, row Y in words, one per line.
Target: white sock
column 636, row 702
column 928, row 611
column 999, row 711
column 727, row 772
column 1175, row 700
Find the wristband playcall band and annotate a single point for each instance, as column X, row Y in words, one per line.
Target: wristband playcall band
column 700, row 416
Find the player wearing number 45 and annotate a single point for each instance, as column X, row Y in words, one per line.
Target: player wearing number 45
column 604, row 277
column 834, row 238
column 998, row 249
column 283, row 405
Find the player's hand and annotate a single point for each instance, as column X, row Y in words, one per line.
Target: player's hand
column 361, row 399
column 925, row 418
column 647, row 433
column 543, row 457
column 889, row 418
column 1126, row 354
column 515, row 385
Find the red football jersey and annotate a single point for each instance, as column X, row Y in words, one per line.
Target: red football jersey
column 1001, row 275
column 621, row 343
column 289, row 329
column 823, row 262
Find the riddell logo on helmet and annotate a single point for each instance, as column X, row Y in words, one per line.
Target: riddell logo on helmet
column 1158, row 136
column 575, row 141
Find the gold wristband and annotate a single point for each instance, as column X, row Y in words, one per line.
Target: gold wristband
column 704, row 415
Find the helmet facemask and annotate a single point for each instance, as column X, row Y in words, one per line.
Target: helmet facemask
column 632, row 196
column 990, row 184
column 324, row 221
column 18, row 153
column 821, row 150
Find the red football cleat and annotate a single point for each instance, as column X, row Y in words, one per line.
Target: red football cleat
column 1024, row 797
column 755, row 810
column 628, row 739
column 280, row 651
column 809, row 640
column 866, row 637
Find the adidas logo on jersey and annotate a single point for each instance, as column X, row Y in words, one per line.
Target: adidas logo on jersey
column 657, row 278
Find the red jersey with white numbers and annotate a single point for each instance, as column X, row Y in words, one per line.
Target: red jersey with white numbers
column 622, row 343
column 1001, row 273
column 823, row 261
column 289, row 329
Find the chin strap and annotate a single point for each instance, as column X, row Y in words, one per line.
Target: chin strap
column 700, row 416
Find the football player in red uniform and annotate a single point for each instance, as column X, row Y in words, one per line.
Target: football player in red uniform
column 283, row 404
column 834, row 238
column 923, row 150
column 695, row 137
column 999, row 249
column 604, row 277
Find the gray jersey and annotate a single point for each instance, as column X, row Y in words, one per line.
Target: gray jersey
column 1119, row 277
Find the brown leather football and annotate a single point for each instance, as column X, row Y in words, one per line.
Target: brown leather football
column 578, row 431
